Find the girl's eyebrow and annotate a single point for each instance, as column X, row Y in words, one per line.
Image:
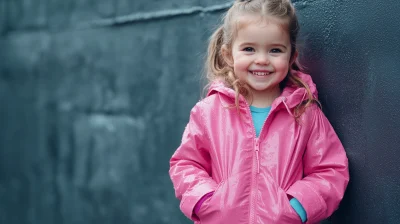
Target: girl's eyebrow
column 279, row 45
column 272, row 45
column 246, row 43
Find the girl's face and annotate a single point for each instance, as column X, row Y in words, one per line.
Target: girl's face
column 260, row 54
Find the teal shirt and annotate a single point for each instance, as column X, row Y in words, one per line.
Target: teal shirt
column 259, row 116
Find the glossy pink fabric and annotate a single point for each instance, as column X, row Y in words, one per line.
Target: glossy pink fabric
column 251, row 177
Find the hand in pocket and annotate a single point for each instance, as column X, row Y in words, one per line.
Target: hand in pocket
column 208, row 210
column 287, row 213
column 227, row 204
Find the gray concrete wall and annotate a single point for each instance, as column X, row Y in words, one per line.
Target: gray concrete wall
column 95, row 96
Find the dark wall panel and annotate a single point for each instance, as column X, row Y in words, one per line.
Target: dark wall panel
column 92, row 119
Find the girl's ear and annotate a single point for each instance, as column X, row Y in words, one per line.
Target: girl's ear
column 227, row 55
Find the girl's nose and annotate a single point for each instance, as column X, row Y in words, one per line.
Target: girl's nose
column 262, row 60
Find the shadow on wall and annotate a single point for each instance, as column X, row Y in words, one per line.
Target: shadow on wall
column 324, row 63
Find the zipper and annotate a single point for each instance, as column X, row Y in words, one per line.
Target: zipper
column 255, row 169
column 257, row 143
column 257, row 149
column 257, row 165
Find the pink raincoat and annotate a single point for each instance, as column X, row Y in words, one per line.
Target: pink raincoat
column 253, row 177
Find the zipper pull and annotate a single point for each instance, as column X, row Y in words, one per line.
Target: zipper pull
column 257, row 155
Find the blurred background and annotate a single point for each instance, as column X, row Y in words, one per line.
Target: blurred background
column 95, row 95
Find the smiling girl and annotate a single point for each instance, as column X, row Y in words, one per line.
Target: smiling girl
column 258, row 148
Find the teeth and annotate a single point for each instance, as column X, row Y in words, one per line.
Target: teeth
column 261, row 73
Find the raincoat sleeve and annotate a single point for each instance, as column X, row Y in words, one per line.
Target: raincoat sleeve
column 190, row 166
column 325, row 167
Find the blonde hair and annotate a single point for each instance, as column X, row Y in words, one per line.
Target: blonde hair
column 218, row 69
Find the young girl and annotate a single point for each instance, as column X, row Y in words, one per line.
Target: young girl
column 258, row 148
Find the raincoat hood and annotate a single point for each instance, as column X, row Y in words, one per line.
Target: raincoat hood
column 292, row 95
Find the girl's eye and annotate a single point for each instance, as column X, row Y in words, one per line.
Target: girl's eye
column 249, row 49
column 276, row 50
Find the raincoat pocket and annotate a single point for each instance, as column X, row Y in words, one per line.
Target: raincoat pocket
column 288, row 214
column 226, row 205
column 209, row 211
column 276, row 206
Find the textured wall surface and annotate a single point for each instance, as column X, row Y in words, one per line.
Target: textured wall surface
column 95, row 96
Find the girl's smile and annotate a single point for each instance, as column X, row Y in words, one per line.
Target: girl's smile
column 260, row 72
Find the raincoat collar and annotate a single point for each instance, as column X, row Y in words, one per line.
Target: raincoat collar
column 291, row 95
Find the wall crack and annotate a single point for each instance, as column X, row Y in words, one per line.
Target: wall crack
column 149, row 16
